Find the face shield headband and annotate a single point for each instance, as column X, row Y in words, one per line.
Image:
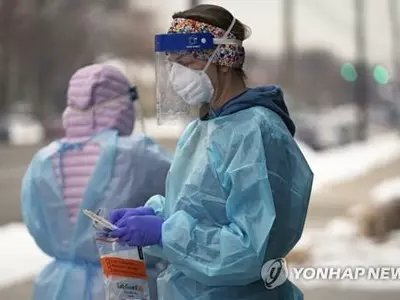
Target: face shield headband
column 205, row 42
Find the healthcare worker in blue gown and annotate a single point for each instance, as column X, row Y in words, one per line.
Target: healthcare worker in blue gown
column 238, row 189
column 98, row 165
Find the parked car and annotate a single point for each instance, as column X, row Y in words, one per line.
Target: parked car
column 20, row 129
column 24, row 129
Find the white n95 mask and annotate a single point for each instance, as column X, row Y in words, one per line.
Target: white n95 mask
column 193, row 86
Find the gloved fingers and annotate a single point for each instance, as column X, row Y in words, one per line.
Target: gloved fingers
column 124, row 221
column 119, row 233
column 117, row 214
column 124, row 239
column 133, row 218
column 131, row 239
column 144, row 230
column 145, row 210
column 141, row 211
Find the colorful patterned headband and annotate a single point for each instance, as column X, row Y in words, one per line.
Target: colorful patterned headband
column 227, row 55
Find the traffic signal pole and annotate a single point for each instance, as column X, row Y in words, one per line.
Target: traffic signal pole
column 395, row 32
column 361, row 85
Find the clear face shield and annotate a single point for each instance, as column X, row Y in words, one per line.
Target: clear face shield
column 180, row 90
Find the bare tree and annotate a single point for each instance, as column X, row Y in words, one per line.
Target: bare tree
column 42, row 42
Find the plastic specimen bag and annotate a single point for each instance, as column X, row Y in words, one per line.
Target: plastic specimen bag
column 124, row 269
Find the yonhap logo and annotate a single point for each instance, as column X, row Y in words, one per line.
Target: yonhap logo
column 274, row 273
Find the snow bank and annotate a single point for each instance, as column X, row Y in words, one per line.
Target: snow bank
column 349, row 162
column 20, row 258
column 387, row 191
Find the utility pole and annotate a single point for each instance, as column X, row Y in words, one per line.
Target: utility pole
column 286, row 76
column 36, row 70
column 395, row 32
column 361, row 85
column 7, row 15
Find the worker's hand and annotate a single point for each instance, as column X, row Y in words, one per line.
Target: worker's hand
column 139, row 230
column 119, row 214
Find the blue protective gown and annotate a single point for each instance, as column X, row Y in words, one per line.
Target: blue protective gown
column 75, row 272
column 237, row 195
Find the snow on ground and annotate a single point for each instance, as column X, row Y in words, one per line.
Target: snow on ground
column 338, row 245
column 349, row 162
column 388, row 190
column 20, row 258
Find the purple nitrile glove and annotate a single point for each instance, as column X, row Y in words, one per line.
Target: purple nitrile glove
column 139, row 230
column 118, row 214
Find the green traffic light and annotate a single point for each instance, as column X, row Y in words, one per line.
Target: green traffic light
column 348, row 72
column 381, row 75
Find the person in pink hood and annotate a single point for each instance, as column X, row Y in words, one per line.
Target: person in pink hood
column 97, row 165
